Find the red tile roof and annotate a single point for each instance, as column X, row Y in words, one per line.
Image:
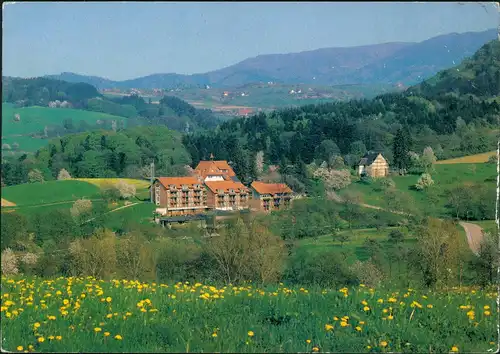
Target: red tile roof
column 205, row 168
column 214, row 186
column 178, row 181
column 270, row 188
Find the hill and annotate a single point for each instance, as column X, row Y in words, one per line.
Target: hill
column 450, row 124
column 35, row 125
column 407, row 63
column 478, row 76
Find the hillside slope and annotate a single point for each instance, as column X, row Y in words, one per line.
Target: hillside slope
column 407, row 63
column 478, row 75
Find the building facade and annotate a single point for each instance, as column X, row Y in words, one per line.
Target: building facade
column 227, row 195
column 176, row 196
column 373, row 165
column 271, row 196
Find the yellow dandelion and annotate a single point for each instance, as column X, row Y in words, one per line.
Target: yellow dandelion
column 118, row 337
column 429, row 306
column 109, row 299
column 390, row 317
column 36, row 325
column 106, row 334
column 250, row 333
column 20, row 348
column 366, row 308
column 361, row 322
column 308, row 341
column 335, row 318
column 487, row 313
column 214, row 335
column 97, row 329
column 328, row 327
column 358, row 328
column 486, row 307
column 383, row 344
column 315, row 349
column 41, row 339
column 343, row 324
column 454, row 349
column 58, row 337
column 51, row 337
column 109, row 315
column 380, row 301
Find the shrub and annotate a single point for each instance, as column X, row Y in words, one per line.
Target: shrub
column 367, row 273
column 396, row 236
column 383, row 184
column 424, row 182
column 9, row 262
column 35, row 176
column 63, row 174
column 492, row 159
column 110, row 193
column 333, row 179
column 81, row 206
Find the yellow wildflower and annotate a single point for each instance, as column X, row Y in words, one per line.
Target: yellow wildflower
column 390, row 317
column 214, row 335
column 454, row 349
column 366, row 308
column 250, row 333
column 58, row 337
column 358, row 328
column 118, row 337
column 109, row 315
column 106, row 334
column 487, row 313
column 20, row 348
column 315, row 349
column 429, row 306
column 97, row 329
column 109, row 299
column 308, row 341
column 41, row 339
column 383, row 344
column 343, row 324
column 486, row 307
column 36, row 325
column 328, row 327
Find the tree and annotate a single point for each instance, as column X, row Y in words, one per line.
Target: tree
column 428, row 159
column 135, row 257
column 259, row 162
column 14, row 230
column 487, row 263
column 126, row 190
column 438, row 247
column 424, row 182
column 81, row 207
column 35, row 176
column 396, row 236
column 333, row 179
column 9, row 262
column 63, row 174
column 401, row 147
column 326, row 149
column 351, row 207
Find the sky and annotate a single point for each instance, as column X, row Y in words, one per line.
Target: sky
column 126, row 40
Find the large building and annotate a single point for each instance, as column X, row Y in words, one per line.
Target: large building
column 373, row 165
column 215, row 171
column 271, row 196
column 175, row 196
column 227, row 195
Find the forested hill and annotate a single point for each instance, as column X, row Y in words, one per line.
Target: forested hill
column 171, row 111
column 451, row 124
column 478, row 75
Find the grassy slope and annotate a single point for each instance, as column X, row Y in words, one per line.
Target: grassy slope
column 34, row 119
column 49, row 192
column 280, row 319
column 141, row 213
column 445, row 177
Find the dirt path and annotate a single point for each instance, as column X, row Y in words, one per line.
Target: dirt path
column 474, row 235
column 112, row 211
column 47, row 204
column 474, row 232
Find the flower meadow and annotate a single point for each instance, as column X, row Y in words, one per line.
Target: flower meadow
column 89, row 315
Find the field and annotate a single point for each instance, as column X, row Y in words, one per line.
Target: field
column 99, row 182
column 34, row 119
column 87, row 315
column 51, row 192
column 446, row 176
column 478, row 158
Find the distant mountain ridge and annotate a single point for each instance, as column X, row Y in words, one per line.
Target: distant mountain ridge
column 388, row 63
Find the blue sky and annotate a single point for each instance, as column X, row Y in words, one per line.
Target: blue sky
column 127, row 40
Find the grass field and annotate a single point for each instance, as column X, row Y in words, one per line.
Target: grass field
column 32, row 194
column 100, row 182
column 34, row 119
column 141, row 213
column 87, row 315
column 446, row 176
column 478, row 158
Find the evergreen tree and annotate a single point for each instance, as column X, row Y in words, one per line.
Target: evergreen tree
column 401, row 147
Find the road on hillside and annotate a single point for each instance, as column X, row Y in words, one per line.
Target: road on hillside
column 474, row 232
column 474, row 235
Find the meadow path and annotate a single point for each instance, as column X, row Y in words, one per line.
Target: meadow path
column 474, row 235
column 474, row 232
column 112, row 211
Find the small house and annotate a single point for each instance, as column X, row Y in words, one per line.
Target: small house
column 271, row 196
column 373, row 165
